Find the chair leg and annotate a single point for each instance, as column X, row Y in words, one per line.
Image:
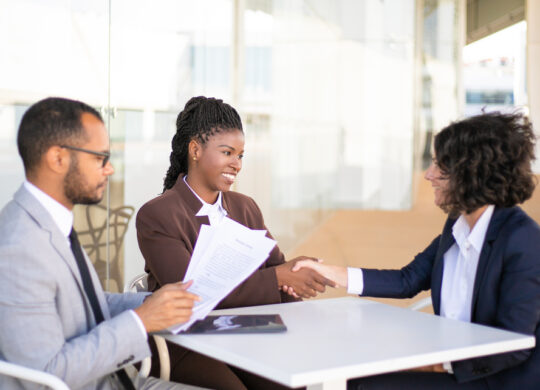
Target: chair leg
column 164, row 360
column 146, row 364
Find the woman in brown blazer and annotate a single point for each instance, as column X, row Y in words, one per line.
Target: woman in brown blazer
column 206, row 157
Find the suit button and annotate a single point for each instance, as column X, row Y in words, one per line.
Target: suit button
column 126, row 361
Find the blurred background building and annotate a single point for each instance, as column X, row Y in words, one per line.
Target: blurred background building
column 339, row 99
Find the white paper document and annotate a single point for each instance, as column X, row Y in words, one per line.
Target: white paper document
column 223, row 257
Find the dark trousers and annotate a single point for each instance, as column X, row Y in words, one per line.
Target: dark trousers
column 414, row 381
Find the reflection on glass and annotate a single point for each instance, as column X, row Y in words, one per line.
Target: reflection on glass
column 325, row 90
column 162, row 53
column 440, row 63
column 50, row 49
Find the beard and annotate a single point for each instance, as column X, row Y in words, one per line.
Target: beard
column 76, row 188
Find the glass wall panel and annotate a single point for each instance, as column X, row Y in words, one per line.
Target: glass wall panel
column 53, row 48
column 162, row 53
column 326, row 91
column 494, row 71
column 328, row 103
column 440, row 39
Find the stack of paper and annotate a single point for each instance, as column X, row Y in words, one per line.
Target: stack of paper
column 223, row 257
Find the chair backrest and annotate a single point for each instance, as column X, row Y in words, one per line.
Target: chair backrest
column 31, row 375
column 138, row 284
column 100, row 243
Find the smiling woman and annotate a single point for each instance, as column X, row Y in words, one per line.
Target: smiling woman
column 206, row 157
column 215, row 164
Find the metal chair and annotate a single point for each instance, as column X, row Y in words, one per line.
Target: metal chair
column 32, row 375
column 140, row 284
column 102, row 242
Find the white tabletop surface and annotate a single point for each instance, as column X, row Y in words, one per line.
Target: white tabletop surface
column 332, row 340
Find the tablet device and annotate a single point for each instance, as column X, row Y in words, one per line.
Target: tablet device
column 246, row 323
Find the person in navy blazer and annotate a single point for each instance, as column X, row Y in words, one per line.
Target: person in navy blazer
column 480, row 172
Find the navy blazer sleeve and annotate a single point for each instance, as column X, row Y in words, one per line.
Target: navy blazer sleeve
column 403, row 283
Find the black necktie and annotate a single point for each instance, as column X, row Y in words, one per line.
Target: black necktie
column 92, row 297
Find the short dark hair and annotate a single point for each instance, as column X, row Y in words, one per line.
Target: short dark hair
column 51, row 121
column 487, row 160
column 201, row 118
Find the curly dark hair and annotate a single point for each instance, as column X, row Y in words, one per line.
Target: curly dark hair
column 201, row 118
column 487, row 160
column 51, row 121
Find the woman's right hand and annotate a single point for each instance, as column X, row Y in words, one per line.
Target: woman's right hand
column 336, row 274
column 305, row 282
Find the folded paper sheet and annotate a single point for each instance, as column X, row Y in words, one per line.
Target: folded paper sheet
column 223, row 257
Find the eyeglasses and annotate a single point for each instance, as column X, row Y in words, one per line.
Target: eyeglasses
column 106, row 155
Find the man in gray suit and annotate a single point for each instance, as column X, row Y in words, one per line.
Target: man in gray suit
column 54, row 315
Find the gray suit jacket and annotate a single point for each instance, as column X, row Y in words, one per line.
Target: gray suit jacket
column 46, row 321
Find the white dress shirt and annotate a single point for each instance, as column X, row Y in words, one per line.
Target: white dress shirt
column 460, row 263
column 215, row 212
column 355, row 281
column 63, row 218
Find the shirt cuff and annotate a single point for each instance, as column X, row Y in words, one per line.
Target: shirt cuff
column 355, row 281
column 448, row 367
column 139, row 323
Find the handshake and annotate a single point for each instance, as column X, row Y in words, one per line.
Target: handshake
column 304, row 276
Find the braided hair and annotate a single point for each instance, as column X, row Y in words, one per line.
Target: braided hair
column 201, row 118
